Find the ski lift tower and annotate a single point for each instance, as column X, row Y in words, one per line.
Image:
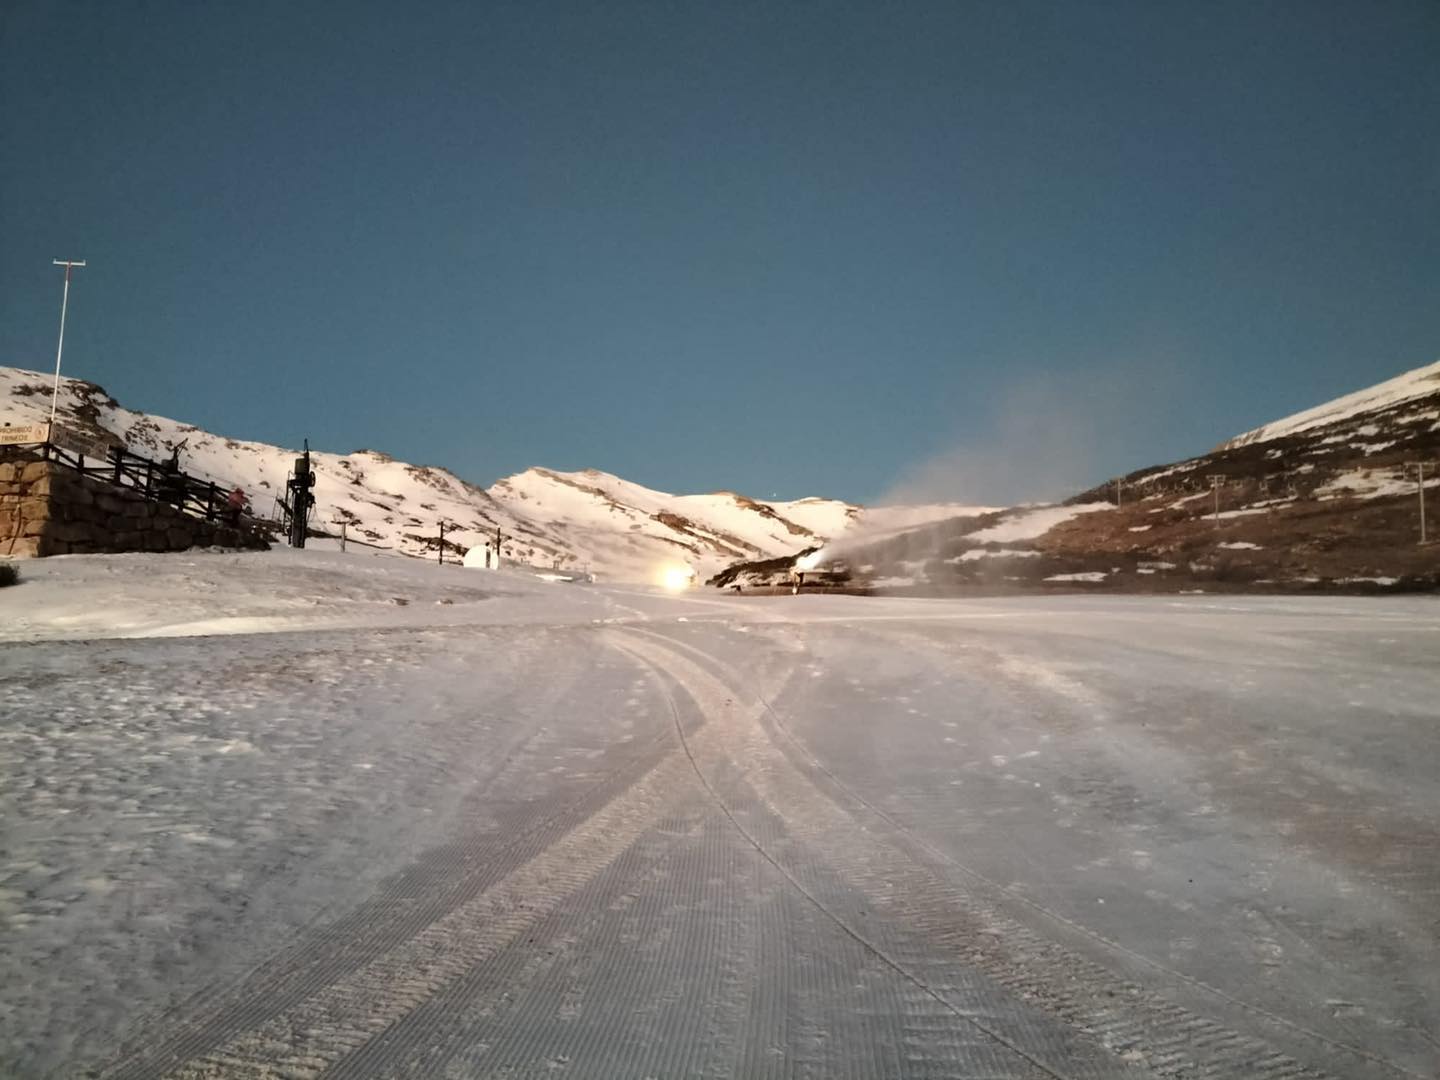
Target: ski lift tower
column 300, row 498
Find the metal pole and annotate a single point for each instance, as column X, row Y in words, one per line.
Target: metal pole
column 60, row 348
column 342, row 534
column 442, row 543
column 1420, row 483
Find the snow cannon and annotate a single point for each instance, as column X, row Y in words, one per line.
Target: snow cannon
column 818, row 571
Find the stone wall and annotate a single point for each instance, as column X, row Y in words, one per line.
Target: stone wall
column 48, row 509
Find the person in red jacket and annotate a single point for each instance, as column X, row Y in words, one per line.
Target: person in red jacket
column 234, row 506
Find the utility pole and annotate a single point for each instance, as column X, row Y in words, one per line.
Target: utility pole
column 1217, row 480
column 69, row 265
column 442, row 542
column 1420, row 488
column 1118, row 496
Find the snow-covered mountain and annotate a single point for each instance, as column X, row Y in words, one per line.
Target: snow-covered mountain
column 1411, row 398
column 1363, row 445
column 1324, row 499
column 578, row 520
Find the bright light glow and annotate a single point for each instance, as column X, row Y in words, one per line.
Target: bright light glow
column 676, row 577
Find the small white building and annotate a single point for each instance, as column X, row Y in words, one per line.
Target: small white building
column 482, row 557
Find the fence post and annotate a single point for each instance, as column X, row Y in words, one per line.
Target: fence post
column 210, row 502
column 115, row 453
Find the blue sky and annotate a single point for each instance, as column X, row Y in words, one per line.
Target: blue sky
column 803, row 248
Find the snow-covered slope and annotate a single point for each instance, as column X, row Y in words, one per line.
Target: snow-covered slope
column 1364, row 445
column 582, row 520
column 1422, row 382
column 1323, row 499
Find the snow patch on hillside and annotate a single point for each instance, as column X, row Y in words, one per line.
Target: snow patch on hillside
column 1371, row 484
column 993, row 553
column 1030, row 524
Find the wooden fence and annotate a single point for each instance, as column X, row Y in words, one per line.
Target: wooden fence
column 157, row 481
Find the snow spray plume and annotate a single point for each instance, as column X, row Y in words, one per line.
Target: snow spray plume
column 1045, row 437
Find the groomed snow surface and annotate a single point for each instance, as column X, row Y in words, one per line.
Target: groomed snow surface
column 303, row 813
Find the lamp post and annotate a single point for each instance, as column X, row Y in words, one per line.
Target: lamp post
column 69, row 265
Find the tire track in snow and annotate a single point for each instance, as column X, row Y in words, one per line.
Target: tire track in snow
column 1072, row 692
column 443, row 879
column 670, row 995
column 456, row 1032
column 1046, row 1052
column 403, row 905
column 343, row 1016
column 1137, row 1026
column 767, row 1030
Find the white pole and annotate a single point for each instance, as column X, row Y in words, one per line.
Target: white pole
column 60, row 348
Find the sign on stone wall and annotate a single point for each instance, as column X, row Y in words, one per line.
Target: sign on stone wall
column 79, row 442
column 26, row 433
